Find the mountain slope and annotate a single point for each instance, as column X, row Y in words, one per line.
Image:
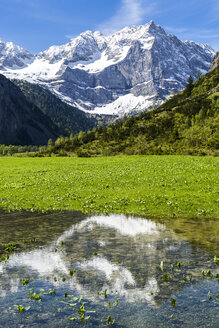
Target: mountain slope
column 69, row 119
column 21, row 122
column 133, row 69
column 215, row 62
column 13, row 56
column 188, row 123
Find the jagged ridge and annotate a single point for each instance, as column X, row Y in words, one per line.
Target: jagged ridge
column 133, row 69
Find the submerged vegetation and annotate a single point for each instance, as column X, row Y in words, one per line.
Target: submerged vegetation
column 82, row 312
column 64, row 270
column 159, row 186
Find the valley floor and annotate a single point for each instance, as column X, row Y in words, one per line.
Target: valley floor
column 159, row 186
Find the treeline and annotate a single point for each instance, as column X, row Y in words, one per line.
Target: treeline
column 11, row 150
column 188, row 123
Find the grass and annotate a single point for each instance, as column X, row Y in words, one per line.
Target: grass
column 159, row 186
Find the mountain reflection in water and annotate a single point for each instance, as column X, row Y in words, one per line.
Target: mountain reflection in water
column 114, row 253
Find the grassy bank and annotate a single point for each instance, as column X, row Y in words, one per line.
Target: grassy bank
column 161, row 186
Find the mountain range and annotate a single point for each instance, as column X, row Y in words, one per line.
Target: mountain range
column 124, row 73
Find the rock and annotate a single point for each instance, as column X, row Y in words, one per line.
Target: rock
column 124, row 73
column 215, row 62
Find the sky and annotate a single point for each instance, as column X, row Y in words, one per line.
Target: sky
column 38, row 24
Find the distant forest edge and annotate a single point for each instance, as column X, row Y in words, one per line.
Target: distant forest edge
column 187, row 123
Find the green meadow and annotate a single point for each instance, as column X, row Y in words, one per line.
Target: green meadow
column 158, row 186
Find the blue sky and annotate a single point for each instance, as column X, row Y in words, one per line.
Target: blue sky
column 38, row 24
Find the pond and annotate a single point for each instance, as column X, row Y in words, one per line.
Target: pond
column 69, row 270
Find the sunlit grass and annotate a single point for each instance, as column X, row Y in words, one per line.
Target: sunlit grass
column 162, row 186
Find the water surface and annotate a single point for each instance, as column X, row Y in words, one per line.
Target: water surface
column 121, row 267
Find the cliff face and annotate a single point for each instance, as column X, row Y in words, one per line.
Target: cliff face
column 124, row 73
column 215, row 62
column 21, row 123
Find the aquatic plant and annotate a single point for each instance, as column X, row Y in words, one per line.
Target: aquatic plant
column 173, row 302
column 72, row 272
column 10, row 248
column 20, row 309
column 34, row 295
column 25, row 281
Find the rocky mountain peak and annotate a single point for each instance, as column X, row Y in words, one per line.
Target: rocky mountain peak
column 154, row 28
column 215, row 62
column 123, row 73
column 13, row 56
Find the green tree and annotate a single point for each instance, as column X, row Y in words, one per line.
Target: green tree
column 189, row 86
column 50, row 143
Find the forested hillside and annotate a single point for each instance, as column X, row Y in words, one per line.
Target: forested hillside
column 188, row 123
column 69, row 119
column 21, row 122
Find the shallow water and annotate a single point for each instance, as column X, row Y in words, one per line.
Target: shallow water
column 117, row 256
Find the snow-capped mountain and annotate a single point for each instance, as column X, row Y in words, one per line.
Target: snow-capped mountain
column 13, row 57
column 127, row 72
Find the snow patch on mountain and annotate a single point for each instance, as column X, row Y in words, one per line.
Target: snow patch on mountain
column 121, row 106
column 39, row 70
column 127, row 72
column 100, row 61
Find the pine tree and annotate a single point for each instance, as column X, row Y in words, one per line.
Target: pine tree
column 189, row 86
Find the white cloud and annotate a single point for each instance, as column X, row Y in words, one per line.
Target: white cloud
column 131, row 12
